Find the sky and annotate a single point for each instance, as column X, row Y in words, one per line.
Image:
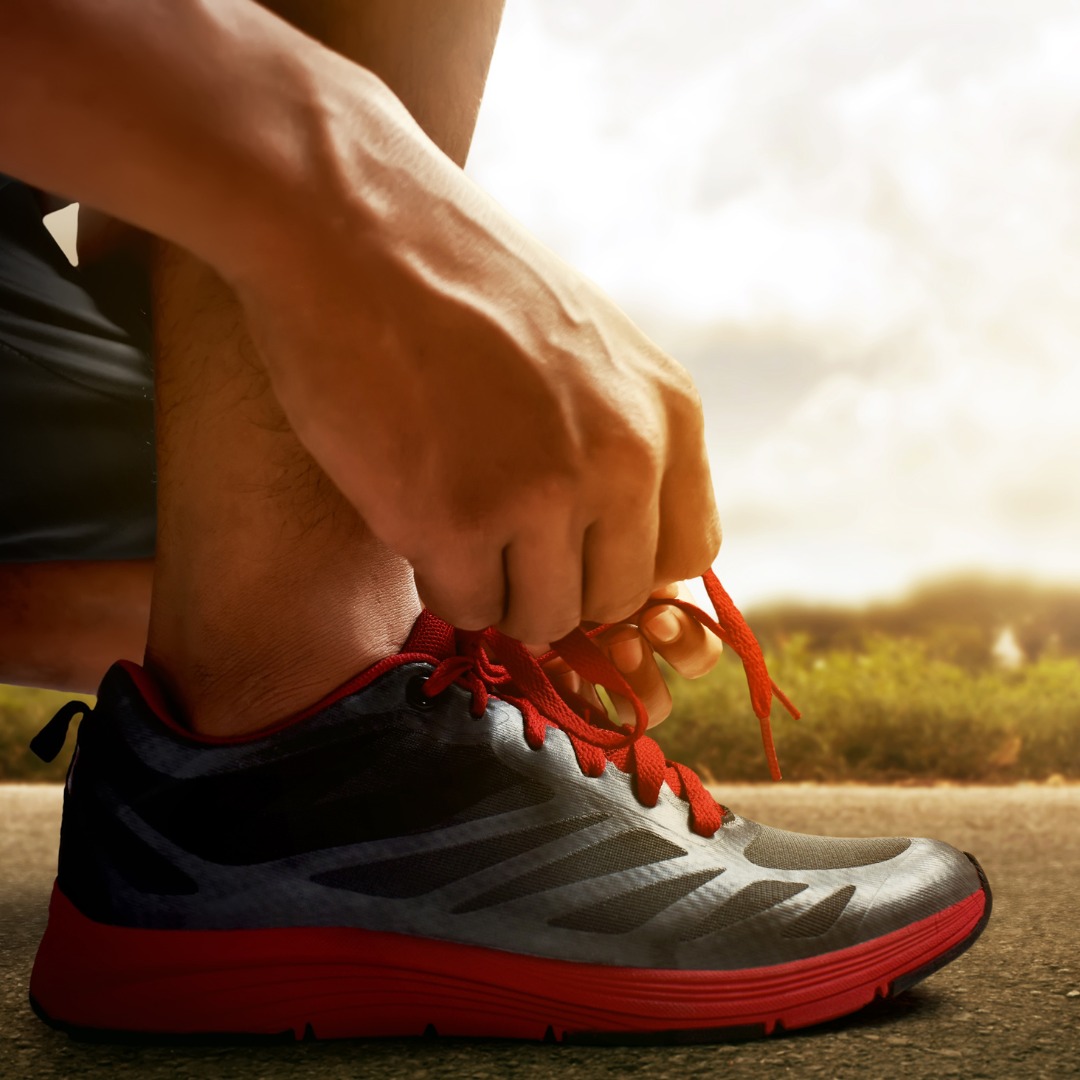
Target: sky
column 858, row 225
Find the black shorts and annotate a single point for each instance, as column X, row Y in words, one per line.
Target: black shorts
column 76, row 398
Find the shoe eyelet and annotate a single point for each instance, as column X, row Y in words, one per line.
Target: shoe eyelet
column 415, row 696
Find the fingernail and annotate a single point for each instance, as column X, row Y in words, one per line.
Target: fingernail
column 664, row 626
column 628, row 654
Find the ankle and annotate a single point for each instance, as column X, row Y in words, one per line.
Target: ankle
column 236, row 659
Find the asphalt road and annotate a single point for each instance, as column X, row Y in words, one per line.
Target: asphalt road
column 1002, row 1010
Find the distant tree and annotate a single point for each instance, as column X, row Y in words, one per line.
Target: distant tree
column 958, row 619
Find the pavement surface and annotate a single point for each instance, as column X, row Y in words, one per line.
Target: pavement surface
column 1001, row 1010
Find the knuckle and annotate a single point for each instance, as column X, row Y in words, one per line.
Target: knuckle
column 633, row 450
column 561, row 627
column 693, row 556
column 709, row 547
column 608, row 611
column 475, row 620
column 536, row 633
column 645, row 454
column 684, row 396
column 466, row 612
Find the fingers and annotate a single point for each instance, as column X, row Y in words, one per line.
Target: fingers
column 543, row 592
column 468, row 591
column 569, row 683
column 530, row 591
column 690, row 533
column 620, row 563
column 681, row 640
column 630, row 653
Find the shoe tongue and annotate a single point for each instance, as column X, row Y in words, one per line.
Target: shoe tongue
column 431, row 636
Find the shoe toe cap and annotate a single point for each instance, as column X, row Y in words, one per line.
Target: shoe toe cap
column 928, row 879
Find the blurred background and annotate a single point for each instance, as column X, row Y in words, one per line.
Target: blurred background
column 858, row 225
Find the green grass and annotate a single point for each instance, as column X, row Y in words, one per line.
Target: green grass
column 886, row 712
column 23, row 712
column 891, row 709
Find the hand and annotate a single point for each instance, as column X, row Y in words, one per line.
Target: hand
column 682, row 641
column 491, row 414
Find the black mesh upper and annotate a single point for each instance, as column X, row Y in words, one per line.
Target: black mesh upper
column 822, row 916
column 414, row 875
column 639, row 847
column 745, row 904
column 629, row 910
column 94, row 837
column 367, row 783
column 777, row 849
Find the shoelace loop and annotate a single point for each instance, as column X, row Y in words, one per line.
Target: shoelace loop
column 490, row 663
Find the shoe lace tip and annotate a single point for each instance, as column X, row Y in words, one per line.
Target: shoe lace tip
column 784, row 700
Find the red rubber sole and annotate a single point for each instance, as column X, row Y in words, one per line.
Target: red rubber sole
column 347, row 983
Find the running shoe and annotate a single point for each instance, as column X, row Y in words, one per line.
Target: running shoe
column 445, row 846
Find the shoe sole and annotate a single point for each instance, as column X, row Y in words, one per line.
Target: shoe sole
column 102, row 982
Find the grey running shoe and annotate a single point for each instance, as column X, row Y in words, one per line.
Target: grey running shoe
column 443, row 845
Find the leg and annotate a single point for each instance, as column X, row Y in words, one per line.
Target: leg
column 76, row 456
column 64, row 623
column 269, row 590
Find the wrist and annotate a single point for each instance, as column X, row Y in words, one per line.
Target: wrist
column 286, row 187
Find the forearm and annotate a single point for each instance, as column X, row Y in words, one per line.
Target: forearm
column 198, row 122
column 490, row 414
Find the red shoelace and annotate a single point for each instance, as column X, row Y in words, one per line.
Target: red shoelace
column 489, row 663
